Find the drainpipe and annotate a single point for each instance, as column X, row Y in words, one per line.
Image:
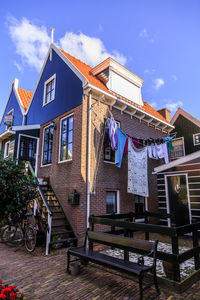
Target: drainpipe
column 88, row 160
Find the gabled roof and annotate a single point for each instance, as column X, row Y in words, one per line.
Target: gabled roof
column 185, row 114
column 25, row 97
column 178, row 162
column 86, row 70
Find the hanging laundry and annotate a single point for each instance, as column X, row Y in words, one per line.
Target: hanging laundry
column 120, row 148
column 152, row 151
column 113, row 133
column 135, row 142
column 169, row 139
column 137, row 171
column 162, row 152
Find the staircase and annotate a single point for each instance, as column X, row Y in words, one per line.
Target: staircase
column 61, row 230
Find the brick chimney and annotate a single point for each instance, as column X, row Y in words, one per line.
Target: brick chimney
column 166, row 113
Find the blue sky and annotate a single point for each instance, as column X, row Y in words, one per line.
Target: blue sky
column 157, row 40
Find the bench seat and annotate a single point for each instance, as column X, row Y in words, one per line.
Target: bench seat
column 106, row 260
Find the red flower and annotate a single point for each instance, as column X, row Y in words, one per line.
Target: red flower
column 22, row 295
column 2, row 296
column 16, row 290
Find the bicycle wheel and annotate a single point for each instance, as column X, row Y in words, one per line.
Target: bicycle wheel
column 30, row 238
column 12, row 235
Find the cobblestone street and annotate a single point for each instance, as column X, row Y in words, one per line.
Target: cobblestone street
column 44, row 277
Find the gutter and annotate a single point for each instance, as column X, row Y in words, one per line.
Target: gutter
column 88, row 159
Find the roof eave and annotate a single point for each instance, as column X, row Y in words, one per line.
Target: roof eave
column 132, row 110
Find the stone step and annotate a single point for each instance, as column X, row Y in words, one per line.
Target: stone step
column 69, row 240
column 61, row 232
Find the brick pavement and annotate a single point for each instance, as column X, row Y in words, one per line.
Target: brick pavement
column 44, row 277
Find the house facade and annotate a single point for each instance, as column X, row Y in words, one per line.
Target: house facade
column 178, row 182
column 72, row 104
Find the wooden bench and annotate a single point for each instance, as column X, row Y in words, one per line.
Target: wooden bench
column 139, row 268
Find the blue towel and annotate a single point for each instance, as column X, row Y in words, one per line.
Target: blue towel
column 120, row 149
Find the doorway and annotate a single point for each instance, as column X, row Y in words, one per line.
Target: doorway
column 27, row 150
column 178, row 198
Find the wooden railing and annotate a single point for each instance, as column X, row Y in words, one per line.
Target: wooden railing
column 124, row 224
column 37, row 206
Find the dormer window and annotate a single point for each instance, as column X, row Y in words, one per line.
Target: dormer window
column 49, row 90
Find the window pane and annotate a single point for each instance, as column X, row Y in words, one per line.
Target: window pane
column 66, row 138
column 139, row 204
column 69, row 151
column 48, row 144
column 71, row 119
column 70, row 137
column 111, row 202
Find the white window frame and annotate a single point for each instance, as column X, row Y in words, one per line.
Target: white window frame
column 46, row 165
column 5, row 148
column 180, row 138
column 10, row 112
column 70, row 159
column 194, row 139
column 118, row 200
column 107, row 161
column 45, row 85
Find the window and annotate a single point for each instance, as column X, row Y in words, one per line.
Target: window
column 109, row 154
column 6, row 149
column 112, row 202
column 178, row 148
column 66, row 138
column 47, row 145
column 139, row 204
column 49, row 90
column 196, row 139
column 8, row 120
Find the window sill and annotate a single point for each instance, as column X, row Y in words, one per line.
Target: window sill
column 109, row 162
column 63, row 161
column 47, row 165
column 44, row 104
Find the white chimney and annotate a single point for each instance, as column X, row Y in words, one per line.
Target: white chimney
column 52, row 31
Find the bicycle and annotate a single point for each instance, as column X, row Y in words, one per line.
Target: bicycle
column 20, row 231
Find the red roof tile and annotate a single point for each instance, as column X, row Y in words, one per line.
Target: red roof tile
column 25, row 97
column 86, row 71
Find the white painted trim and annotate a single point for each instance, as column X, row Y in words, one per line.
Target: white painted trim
column 64, row 161
column 69, row 64
column 6, row 132
column 194, row 139
column 5, row 148
column 53, row 77
column 26, row 127
column 178, row 162
column 89, row 85
column 65, row 117
column 37, row 149
column 167, row 201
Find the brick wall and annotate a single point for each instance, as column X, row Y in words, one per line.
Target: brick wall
column 72, row 174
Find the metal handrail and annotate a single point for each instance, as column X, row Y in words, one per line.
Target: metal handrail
column 39, row 189
column 48, row 233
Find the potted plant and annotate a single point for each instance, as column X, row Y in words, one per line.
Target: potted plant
column 46, row 180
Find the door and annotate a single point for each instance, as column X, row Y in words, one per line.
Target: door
column 178, row 199
column 28, row 149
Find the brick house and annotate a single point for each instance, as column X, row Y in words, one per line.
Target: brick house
column 70, row 103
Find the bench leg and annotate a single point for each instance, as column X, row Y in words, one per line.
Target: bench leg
column 156, row 282
column 68, row 262
column 140, row 286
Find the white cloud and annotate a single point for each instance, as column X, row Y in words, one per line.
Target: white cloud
column 149, row 71
column 91, row 50
column 173, row 106
column 145, row 35
column 153, row 104
column 32, row 43
column 174, row 77
column 18, row 66
column 157, row 83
